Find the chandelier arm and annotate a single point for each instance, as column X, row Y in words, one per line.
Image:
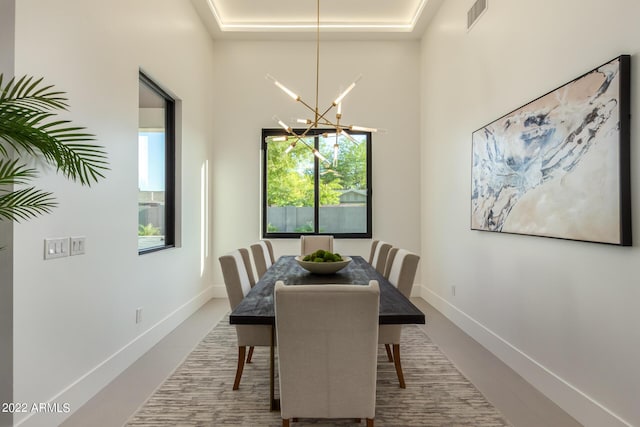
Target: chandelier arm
column 313, row 149
column 297, row 138
column 306, row 131
column 322, row 116
column 304, row 142
column 300, row 137
column 329, row 123
column 313, row 110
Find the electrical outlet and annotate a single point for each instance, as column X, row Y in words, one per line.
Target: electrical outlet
column 56, row 248
column 77, row 245
column 138, row 314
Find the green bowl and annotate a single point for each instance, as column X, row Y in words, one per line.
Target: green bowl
column 323, row 267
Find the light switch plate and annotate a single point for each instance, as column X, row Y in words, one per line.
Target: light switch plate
column 56, row 247
column 77, row 245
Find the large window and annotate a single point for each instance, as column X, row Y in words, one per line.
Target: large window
column 305, row 195
column 156, row 167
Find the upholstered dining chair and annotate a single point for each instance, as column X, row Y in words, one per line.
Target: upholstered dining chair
column 310, row 244
column 327, row 350
column 238, row 279
column 262, row 256
column 400, row 271
column 378, row 255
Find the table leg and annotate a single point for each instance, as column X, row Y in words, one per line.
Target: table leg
column 274, row 403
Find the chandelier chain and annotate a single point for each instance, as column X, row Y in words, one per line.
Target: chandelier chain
column 317, row 59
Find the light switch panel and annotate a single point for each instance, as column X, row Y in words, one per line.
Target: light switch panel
column 77, row 245
column 56, row 247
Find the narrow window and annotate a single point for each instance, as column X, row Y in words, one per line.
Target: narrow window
column 305, row 195
column 156, row 167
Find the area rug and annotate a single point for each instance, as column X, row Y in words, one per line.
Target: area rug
column 199, row 392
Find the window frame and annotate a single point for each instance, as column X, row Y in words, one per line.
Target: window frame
column 169, row 163
column 315, row 133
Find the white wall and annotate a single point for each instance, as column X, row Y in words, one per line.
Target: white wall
column 386, row 97
column 74, row 318
column 563, row 314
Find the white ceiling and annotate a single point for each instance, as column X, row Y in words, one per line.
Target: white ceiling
column 339, row 19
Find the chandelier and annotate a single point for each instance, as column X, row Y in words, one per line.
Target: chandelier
column 320, row 118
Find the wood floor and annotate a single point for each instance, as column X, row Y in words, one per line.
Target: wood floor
column 520, row 403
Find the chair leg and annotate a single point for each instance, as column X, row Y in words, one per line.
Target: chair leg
column 369, row 422
column 389, row 356
column 285, row 422
column 396, row 360
column 250, row 354
column 241, row 353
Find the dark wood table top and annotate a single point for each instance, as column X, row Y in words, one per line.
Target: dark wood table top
column 257, row 306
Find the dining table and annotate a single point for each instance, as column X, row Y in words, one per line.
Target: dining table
column 257, row 307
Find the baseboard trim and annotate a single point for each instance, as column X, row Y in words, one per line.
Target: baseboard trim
column 576, row 403
column 218, row 291
column 88, row 385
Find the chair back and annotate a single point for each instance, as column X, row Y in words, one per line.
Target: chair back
column 310, row 244
column 327, row 349
column 378, row 256
column 262, row 256
column 238, row 275
column 401, row 269
column 374, row 244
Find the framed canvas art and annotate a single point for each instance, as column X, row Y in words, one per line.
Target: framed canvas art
column 559, row 166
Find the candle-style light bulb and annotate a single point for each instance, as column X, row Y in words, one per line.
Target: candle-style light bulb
column 319, row 156
column 351, row 138
column 282, row 124
column 346, row 91
column 290, row 147
column 285, row 89
column 276, row 139
column 362, row 128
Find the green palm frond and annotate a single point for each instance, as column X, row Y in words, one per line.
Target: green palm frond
column 26, row 92
column 28, row 127
column 25, row 204
column 26, row 112
column 13, row 173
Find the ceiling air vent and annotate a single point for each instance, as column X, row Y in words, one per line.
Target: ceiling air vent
column 475, row 12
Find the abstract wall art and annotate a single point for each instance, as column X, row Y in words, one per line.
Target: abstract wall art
column 559, row 166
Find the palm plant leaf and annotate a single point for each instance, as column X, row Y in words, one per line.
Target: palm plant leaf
column 26, row 110
column 13, row 173
column 25, row 204
column 26, row 93
column 28, row 127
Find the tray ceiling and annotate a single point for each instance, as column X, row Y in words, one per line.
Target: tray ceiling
column 342, row 19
